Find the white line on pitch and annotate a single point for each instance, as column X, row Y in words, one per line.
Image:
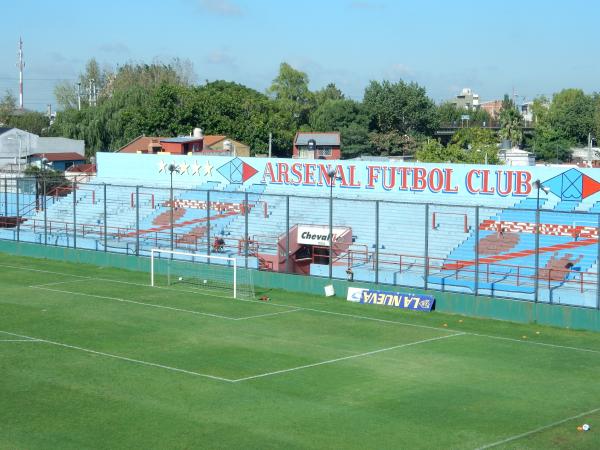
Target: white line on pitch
column 543, row 344
column 360, row 355
column 537, row 430
column 19, row 340
column 59, row 282
column 354, row 316
column 123, row 358
column 123, row 300
column 269, row 314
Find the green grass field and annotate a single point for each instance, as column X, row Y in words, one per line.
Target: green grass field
column 93, row 357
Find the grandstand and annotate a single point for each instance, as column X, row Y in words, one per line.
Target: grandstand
column 450, row 227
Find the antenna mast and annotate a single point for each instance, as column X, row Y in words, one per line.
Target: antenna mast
column 20, row 65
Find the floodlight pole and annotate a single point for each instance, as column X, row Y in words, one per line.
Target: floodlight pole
column 172, row 168
column 331, row 175
column 538, row 185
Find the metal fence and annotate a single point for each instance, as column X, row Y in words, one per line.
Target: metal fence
column 525, row 252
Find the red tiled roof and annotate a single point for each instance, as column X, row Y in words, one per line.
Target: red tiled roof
column 85, row 168
column 67, row 156
column 211, row 139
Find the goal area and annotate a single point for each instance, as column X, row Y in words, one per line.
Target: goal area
column 212, row 274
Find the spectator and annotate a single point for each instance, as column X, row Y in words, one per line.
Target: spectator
column 218, row 244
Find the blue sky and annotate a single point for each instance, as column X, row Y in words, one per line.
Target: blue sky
column 535, row 47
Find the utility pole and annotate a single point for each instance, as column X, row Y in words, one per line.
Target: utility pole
column 20, row 65
column 90, row 83
column 270, row 143
column 79, row 96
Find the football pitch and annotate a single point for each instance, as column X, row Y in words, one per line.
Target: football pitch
column 94, row 357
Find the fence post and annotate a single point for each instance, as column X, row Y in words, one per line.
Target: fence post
column 476, row 250
column 246, row 229
column 74, row 215
column 45, row 213
column 376, row 262
column 598, row 268
column 18, row 211
column 426, row 277
column 536, row 274
column 105, row 222
column 287, row 234
column 5, row 197
column 137, row 221
column 208, row 224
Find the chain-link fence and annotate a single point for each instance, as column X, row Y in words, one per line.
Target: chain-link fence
column 462, row 248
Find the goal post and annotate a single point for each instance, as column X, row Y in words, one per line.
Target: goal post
column 216, row 274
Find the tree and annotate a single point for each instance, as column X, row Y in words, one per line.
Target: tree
column 8, row 105
column 571, row 113
column 474, row 137
column 291, row 93
column 511, row 122
column 32, row 121
column 433, row 151
column 550, row 144
column 400, row 107
column 329, row 92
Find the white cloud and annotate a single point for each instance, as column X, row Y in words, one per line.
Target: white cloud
column 367, row 5
column 115, row 48
column 219, row 57
column 220, row 7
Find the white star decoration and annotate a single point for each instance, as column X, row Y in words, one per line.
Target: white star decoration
column 162, row 166
column 208, row 169
column 196, row 168
column 183, row 168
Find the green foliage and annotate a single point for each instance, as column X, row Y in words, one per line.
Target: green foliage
column 292, row 95
column 329, row 92
column 511, row 122
column 32, row 121
column 550, row 145
column 450, row 115
column 571, row 114
column 49, row 178
column 400, row 107
column 434, row 151
column 8, row 105
column 474, row 137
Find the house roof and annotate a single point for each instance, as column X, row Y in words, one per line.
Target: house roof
column 141, row 143
column 332, row 138
column 212, row 139
column 5, row 129
column 182, row 139
column 83, row 168
column 66, row 156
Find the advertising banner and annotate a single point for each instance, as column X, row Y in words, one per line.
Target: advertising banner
column 317, row 234
column 416, row 302
column 355, row 294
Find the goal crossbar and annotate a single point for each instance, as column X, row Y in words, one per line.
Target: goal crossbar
column 230, row 262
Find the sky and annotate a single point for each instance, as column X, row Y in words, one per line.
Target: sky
column 533, row 47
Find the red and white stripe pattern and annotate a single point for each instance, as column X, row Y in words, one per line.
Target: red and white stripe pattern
column 551, row 229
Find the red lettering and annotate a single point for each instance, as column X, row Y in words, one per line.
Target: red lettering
column 508, row 182
column 448, row 181
column 404, row 178
column 419, row 183
column 282, row 173
column 309, row 175
column 486, row 189
column 436, row 180
column 339, row 173
column 296, row 171
column 523, row 183
column 388, row 181
column 470, row 187
column 268, row 173
column 352, row 173
column 372, row 176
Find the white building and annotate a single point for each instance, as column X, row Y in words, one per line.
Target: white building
column 516, row 157
column 16, row 146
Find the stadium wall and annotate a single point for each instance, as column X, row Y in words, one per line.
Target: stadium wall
column 457, row 303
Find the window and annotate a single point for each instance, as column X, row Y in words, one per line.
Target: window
column 324, row 151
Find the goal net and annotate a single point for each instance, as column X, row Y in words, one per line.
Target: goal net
column 214, row 274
